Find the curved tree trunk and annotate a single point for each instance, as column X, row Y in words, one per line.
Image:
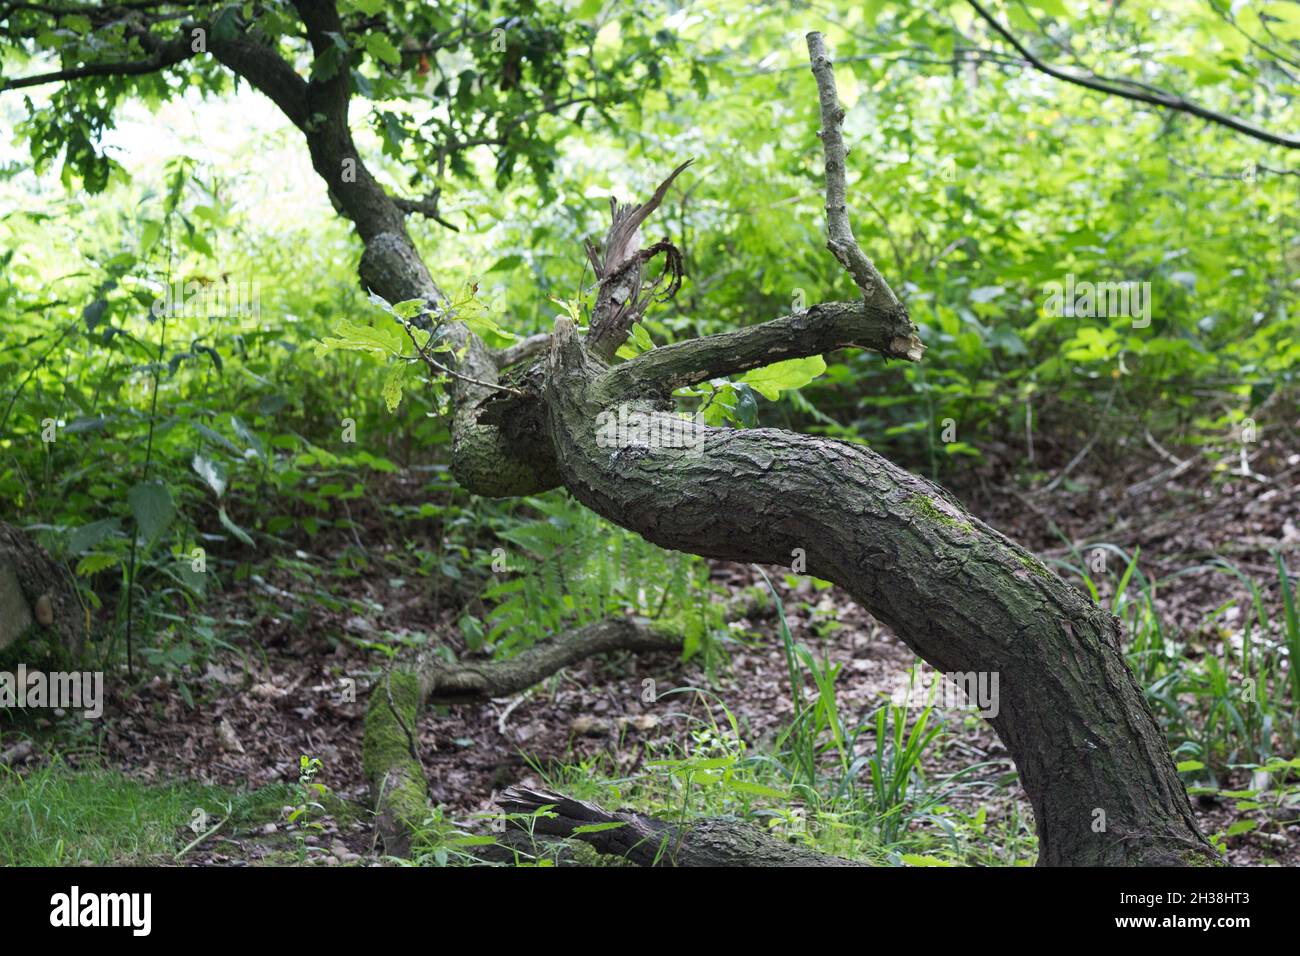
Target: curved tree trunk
column 1090, row 755
column 961, row 595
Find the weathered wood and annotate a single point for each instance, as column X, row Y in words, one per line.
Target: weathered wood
column 389, row 748
column 37, row 593
column 649, row 842
column 444, row 683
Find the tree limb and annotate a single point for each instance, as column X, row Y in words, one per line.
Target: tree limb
column 389, row 759
column 444, row 683
column 649, row 842
column 427, row 207
column 839, row 234
column 1126, row 90
column 527, row 348
column 175, row 53
column 822, row 328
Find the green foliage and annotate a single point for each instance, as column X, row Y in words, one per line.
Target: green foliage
column 58, row 816
column 1219, row 709
column 568, row 568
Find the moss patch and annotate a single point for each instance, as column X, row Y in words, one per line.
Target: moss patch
column 928, row 509
column 1033, row 564
column 386, row 750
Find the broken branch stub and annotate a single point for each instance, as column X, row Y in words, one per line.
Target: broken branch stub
column 621, row 298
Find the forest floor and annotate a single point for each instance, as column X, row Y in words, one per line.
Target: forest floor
column 249, row 717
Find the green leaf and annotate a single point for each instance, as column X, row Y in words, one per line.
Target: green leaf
column 326, row 66
column 472, row 630
column 353, row 336
column 233, row 528
column 94, row 563
column 77, row 23
column 784, row 376
column 597, row 827
column 410, row 308
column 1242, row 826
column 381, row 48
column 746, row 406
column 151, row 504
column 89, row 535
column 149, row 234
column 758, row 790
column 393, row 382
column 1053, row 8
column 213, row 472
column 642, row 338
column 471, row 841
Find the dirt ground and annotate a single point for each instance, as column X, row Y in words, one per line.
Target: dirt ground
column 304, row 689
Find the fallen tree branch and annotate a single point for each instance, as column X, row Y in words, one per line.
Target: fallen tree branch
column 443, row 683
column 389, row 755
column 396, row 778
column 649, row 842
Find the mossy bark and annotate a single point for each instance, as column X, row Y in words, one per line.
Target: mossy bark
column 389, row 760
column 647, row 841
column 1091, row 757
column 389, row 748
column 37, row 594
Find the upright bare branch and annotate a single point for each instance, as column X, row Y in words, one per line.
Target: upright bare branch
column 839, row 234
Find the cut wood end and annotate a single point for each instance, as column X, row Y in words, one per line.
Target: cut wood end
column 44, row 610
column 911, row 348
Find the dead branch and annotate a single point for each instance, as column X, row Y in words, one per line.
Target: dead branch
column 649, row 842
column 390, row 758
column 621, row 298
column 839, row 234
column 461, row 683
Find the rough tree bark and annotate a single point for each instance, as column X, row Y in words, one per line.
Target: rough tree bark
column 649, row 842
column 389, row 747
column 36, row 592
column 1090, row 755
